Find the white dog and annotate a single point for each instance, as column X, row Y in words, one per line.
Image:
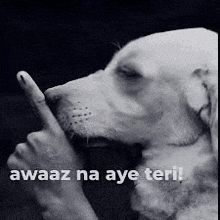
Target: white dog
column 159, row 91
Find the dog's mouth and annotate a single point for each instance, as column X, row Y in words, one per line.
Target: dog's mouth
column 124, row 154
column 98, row 141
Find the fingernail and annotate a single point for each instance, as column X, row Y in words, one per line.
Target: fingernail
column 22, row 78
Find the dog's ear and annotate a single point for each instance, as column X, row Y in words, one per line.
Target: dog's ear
column 209, row 79
column 211, row 82
column 214, row 122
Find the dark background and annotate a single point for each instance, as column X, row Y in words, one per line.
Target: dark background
column 57, row 41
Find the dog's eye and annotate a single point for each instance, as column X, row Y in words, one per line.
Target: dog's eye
column 128, row 73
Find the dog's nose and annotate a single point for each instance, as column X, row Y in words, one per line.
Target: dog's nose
column 52, row 95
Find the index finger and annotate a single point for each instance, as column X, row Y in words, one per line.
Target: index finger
column 37, row 100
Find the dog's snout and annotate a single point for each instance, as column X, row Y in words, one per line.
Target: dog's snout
column 52, row 95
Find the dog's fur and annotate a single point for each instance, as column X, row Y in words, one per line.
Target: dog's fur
column 159, row 91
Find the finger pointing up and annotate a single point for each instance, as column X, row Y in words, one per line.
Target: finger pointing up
column 37, row 100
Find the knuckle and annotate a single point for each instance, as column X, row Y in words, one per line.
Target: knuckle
column 32, row 137
column 12, row 161
column 21, row 149
column 40, row 102
column 54, row 130
column 57, row 132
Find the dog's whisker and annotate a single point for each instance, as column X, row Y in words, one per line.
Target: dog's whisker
column 117, row 44
column 87, row 141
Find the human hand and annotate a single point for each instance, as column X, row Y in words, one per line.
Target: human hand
column 49, row 149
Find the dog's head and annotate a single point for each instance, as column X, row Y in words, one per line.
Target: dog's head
column 152, row 90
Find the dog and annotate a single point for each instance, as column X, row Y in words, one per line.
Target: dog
column 159, row 91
